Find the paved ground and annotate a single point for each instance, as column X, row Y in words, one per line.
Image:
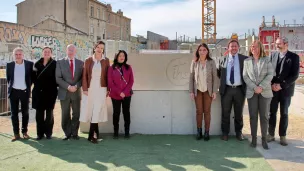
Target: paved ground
column 279, row 158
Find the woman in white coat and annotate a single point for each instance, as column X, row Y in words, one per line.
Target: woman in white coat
column 94, row 86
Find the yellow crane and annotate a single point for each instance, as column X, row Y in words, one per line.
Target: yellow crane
column 209, row 21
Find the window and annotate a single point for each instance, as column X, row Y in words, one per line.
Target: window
column 103, row 15
column 98, row 13
column 109, row 18
column 98, row 38
column 92, row 11
column 92, row 29
column 290, row 31
column 104, row 34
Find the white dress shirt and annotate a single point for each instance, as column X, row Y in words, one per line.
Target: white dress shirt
column 237, row 72
column 19, row 76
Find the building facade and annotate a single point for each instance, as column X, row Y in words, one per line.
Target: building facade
column 89, row 16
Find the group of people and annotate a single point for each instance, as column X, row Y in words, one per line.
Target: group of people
column 64, row 79
column 265, row 81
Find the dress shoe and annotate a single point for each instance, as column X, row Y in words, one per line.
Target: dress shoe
column 199, row 134
column 66, row 138
column 224, row 137
column 283, row 141
column 206, row 136
column 76, row 137
column 93, row 140
column 264, row 143
column 270, row 138
column 26, row 136
column 254, row 142
column 49, row 137
column 127, row 136
column 115, row 136
column 240, row 137
column 15, row 137
column 39, row 138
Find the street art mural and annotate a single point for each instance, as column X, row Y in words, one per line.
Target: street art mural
column 33, row 40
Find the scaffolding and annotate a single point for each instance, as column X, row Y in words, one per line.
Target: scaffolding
column 209, row 21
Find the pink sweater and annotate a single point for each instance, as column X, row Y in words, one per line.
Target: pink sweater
column 117, row 85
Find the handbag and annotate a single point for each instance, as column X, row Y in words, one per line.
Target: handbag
column 131, row 91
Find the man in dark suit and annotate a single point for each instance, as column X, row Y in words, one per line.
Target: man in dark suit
column 19, row 75
column 232, row 89
column 286, row 71
column 68, row 77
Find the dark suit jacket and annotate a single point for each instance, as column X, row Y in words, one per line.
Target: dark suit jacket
column 289, row 72
column 222, row 73
column 29, row 76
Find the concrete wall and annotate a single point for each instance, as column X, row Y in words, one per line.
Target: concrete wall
column 77, row 14
column 31, row 12
column 161, row 102
column 53, row 25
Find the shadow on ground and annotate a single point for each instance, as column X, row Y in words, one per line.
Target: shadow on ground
column 141, row 152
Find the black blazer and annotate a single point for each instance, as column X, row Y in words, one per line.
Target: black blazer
column 222, row 73
column 29, row 76
column 289, row 72
column 45, row 87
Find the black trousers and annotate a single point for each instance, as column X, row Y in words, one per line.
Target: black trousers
column 236, row 98
column 45, row 122
column 17, row 96
column 125, row 103
column 279, row 98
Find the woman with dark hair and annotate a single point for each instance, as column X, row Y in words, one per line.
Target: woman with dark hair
column 258, row 73
column 203, row 86
column 45, row 93
column 94, row 86
column 120, row 79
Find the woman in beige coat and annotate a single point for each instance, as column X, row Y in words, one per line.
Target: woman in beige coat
column 203, row 86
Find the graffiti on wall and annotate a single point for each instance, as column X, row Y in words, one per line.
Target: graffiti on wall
column 33, row 40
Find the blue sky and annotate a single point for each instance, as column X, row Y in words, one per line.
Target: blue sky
column 167, row 17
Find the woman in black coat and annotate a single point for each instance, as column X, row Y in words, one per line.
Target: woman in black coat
column 44, row 94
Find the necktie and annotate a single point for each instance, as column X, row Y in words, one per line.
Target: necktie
column 232, row 71
column 72, row 68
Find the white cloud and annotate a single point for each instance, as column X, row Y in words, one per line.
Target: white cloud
column 184, row 17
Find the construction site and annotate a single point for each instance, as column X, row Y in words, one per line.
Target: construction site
column 163, row 117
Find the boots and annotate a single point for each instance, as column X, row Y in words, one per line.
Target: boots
column 254, row 142
column 264, row 143
column 199, row 134
column 283, row 141
column 91, row 134
column 127, row 132
column 116, row 128
column 270, row 138
column 206, row 136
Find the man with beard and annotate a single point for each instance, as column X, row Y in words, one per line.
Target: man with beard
column 286, row 72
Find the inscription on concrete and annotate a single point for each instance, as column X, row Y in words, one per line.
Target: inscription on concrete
column 178, row 71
